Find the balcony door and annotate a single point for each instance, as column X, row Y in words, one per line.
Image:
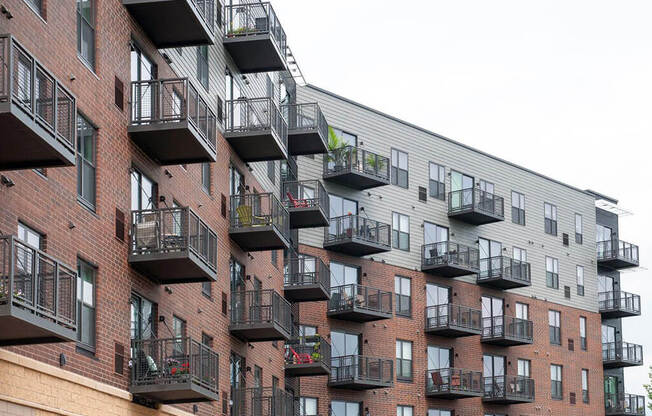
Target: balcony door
column 461, row 190
column 490, row 257
column 492, row 316
column 611, row 392
column 493, row 371
column 606, row 290
column 340, row 207
column 343, row 283
column 608, row 342
column 437, row 299
column 603, row 236
column 142, row 319
column 433, row 234
column 345, row 349
column 144, row 97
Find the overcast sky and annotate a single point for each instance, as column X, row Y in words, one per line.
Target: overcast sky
column 561, row 87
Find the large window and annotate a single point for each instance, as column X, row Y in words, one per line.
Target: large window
column 585, row 385
column 403, row 293
column 578, row 229
column 554, row 323
column 308, row 406
column 555, row 382
column 580, row 280
column 340, row 408
column 400, row 231
column 399, row 168
column 86, row 304
column 202, row 65
column 341, row 274
column 86, row 150
column 403, row 360
column 552, row 272
column 346, row 139
column 550, row 218
column 404, row 411
column 437, row 183
column 340, row 206
column 86, row 31
column 583, row 332
column 518, row 208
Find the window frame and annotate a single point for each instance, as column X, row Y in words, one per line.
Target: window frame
column 302, row 406
column 82, row 162
column 556, row 382
column 401, row 345
column 400, row 282
column 395, row 170
column 440, row 186
column 90, row 344
column 584, row 385
column 579, row 236
column 554, row 326
column 202, row 66
column 398, row 229
column 552, row 276
column 81, row 20
column 550, row 222
column 402, row 408
column 518, row 213
column 583, row 325
column 579, row 277
column 206, row 181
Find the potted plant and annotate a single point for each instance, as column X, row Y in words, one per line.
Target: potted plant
column 336, row 155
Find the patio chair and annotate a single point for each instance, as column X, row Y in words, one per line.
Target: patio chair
column 297, row 203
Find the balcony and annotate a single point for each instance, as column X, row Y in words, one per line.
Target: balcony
column 262, row 401
column 506, row 331
column 307, row 279
column 37, row 296
column 356, row 168
column 503, row 272
column 450, row 320
column 359, row 303
column 624, row 405
column 617, row 254
column 171, row 122
column 475, row 207
column 254, row 38
column 618, row 304
column 307, row 356
column 621, row 354
column 174, row 370
column 173, row 245
column 508, row 390
column 175, row 23
column 260, row 315
column 449, row 259
column 259, row 222
column 37, row 113
column 256, row 129
column 307, row 129
column 358, row 372
column 357, row 236
column 453, row 383
column 307, row 203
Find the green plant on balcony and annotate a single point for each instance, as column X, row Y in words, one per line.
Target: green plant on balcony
column 4, row 292
column 336, row 153
column 242, row 30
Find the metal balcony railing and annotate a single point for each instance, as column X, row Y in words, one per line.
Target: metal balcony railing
column 509, row 387
column 306, row 194
column 305, row 116
column 619, row 300
column 353, row 159
column 617, row 249
column 624, row 404
column 27, row 84
column 263, row 401
column 454, row 380
column 449, row 314
column 253, row 307
column 622, row 352
column 166, row 101
column 448, row 252
column 206, row 9
column 356, row 227
column 251, row 115
column 37, row 283
column 347, row 297
column 306, row 271
column 503, row 267
column 259, row 210
column 472, row 199
column 251, row 19
column 160, row 363
column 308, row 350
column 507, row 327
column 170, row 230
column 362, row 368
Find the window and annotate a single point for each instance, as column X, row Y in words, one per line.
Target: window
column 179, row 333
column 400, row 231
column 86, row 275
column 347, row 139
column 552, row 272
column 86, row 145
column 583, row 333
column 271, row 170
column 342, row 274
column 202, row 65
column 258, row 376
column 207, row 289
column 522, row 310
column 29, row 236
column 86, row 31
column 307, row 331
column 585, row 385
column 578, row 229
column 524, row 368
column 519, row 254
column 142, row 192
column 236, row 181
column 37, row 5
column 308, row 406
column 580, row 280
column 237, row 369
column 402, row 290
column 404, row 411
column 207, row 340
column 206, row 177
column 554, row 322
column 403, row 360
column 340, row 408
column 437, row 183
column 399, row 168
column 438, row 412
column 518, row 208
column 340, row 206
column 142, row 318
column 550, row 218
column 555, row 382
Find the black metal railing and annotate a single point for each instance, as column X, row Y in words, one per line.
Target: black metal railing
column 250, row 19
column 624, row 404
column 304, row 271
column 258, row 210
column 350, row 158
column 305, row 116
column 253, row 307
column 162, row 362
column 619, row 300
column 356, row 227
column 454, row 380
column 305, row 194
column 246, row 115
column 513, row 387
column 449, row 314
column 362, row 368
column 622, row 351
column 308, row 350
column 27, row 84
column 617, row 249
column 448, row 252
column 37, row 283
column 472, row 199
column 263, row 401
column 507, row 326
column 347, row 297
column 206, row 9
column 503, row 267
column 169, row 230
column 165, row 101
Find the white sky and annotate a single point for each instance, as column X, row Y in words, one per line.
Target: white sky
column 561, row 87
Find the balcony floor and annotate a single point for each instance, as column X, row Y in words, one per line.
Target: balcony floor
column 182, row 392
column 307, row 370
column 310, row 217
column 475, row 217
column 453, row 331
column 620, row 363
column 357, row 314
column 618, row 313
column 453, row 394
column 359, row 384
column 448, row 269
column 617, row 263
column 506, row 341
column 172, row 143
column 181, row 266
column 355, row 180
column 259, row 238
column 508, row 399
column 502, row 283
column 256, row 146
column 355, row 247
column 259, row 332
column 306, row 142
column 255, row 53
column 21, row 327
column 305, row 293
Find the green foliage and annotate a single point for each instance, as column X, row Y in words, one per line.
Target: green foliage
column 648, row 389
column 334, row 141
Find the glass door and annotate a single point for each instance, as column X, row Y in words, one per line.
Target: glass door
column 490, row 258
column 144, row 99
column 493, row 371
column 611, row 392
column 492, row 316
column 606, row 291
column 339, row 207
column 345, row 351
column 437, row 299
column 603, row 237
column 461, row 191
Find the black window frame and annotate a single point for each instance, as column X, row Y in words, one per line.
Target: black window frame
column 206, row 181
column 585, row 392
column 580, row 288
column 400, row 298
column 271, row 171
column 81, row 21
column 396, row 242
column 202, row 66
column 36, row 6
column 395, row 170
column 579, row 237
column 518, row 213
column 83, row 163
column 400, row 376
column 437, row 188
column 90, row 343
column 554, row 330
column 552, row 277
column 557, row 386
column 583, row 343
column 550, row 223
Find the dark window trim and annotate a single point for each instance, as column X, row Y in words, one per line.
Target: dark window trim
column 394, row 178
column 396, row 242
column 442, row 196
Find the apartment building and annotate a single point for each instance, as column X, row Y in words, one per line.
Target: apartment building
column 194, row 230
